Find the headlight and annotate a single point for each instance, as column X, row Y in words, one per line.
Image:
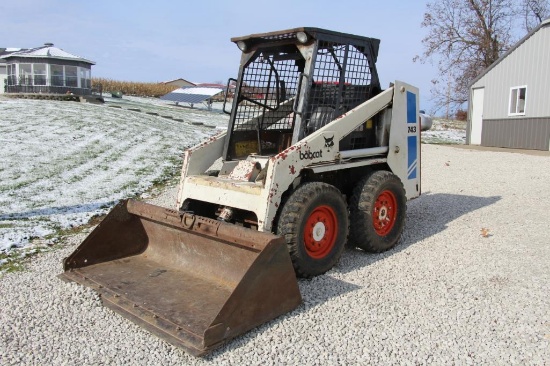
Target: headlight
column 302, row 37
column 242, row 46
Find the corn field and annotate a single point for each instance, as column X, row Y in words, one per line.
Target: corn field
column 133, row 88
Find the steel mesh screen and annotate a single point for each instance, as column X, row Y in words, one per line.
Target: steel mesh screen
column 338, row 79
column 341, row 81
column 268, row 87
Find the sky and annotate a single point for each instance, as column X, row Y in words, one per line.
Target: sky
column 154, row 41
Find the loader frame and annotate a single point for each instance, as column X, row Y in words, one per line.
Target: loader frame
column 307, row 105
column 396, row 112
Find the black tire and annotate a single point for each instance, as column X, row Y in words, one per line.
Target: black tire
column 316, row 248
column 378, row 208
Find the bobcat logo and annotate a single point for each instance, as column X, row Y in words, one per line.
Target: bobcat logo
column 329, row 142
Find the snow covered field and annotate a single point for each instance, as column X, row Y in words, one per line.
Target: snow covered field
column 64, row 162
column 445, row 132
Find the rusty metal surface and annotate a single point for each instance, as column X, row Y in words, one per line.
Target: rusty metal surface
column 193, row 281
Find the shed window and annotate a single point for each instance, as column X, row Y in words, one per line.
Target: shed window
column 517, row 100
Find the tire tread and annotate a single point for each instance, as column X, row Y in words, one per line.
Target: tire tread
column 361, row 204
column 289, row 221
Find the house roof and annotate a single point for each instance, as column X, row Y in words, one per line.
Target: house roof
column 543, row 24
column 46, row 51
column 7, row 51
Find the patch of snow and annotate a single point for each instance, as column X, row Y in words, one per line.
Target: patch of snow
column 445, row 132
column 64, row 162
column 198, row 90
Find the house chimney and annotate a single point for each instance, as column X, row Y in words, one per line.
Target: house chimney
column 48, row 44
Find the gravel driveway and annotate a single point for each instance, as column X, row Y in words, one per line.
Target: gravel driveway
column 468, row 284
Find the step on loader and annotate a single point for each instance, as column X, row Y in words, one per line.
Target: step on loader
column 316, row 155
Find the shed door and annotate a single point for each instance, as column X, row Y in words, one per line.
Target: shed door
column 477, row 116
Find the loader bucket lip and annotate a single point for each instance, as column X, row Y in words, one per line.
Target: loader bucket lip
column 193, row 281
column 141, row 316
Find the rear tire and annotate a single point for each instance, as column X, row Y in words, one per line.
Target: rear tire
column 314, row 222
column 377, row 212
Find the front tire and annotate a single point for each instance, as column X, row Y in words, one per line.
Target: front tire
column 314, row 223
column 377, row 212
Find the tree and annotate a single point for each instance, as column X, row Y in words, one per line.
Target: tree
column 467, row 36
column 535, row 11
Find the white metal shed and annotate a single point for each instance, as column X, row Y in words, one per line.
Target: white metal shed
column 509, row 103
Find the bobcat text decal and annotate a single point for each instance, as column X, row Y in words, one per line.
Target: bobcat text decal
column 308, row 155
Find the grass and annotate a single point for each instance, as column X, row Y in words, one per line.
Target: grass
column 15, row 259
column 445, row 132
column 452, row 124
column 437, row 141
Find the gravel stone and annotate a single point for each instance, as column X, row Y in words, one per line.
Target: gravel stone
column 468, row 284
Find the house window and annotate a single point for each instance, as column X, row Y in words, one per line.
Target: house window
column 25, row 74
column 71, row 76
column 56, row 72
column 85, row 78
column 12, row 80
column 517, row 101
column 39, row 72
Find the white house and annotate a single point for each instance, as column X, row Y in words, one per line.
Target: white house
column 47, row 69
column 3, row 67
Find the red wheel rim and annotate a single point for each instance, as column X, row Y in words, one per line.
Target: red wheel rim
column 384, row 213
column 320, row 232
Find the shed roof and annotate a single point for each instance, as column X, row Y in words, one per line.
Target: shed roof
column 171, row 81
column 46, row 51
column 191, row 94
column 544, row 23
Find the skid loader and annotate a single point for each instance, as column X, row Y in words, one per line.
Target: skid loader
column 316, row 155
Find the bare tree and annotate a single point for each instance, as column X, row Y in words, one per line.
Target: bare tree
column 464, row 37
column 534, row 12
